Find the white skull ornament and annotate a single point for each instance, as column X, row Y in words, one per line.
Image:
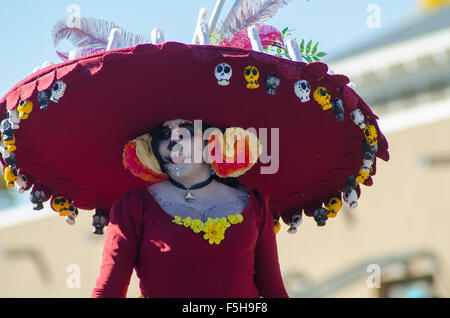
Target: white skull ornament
column 4, row 150
column 302, row 89
column 296, row 220
column 58, row 90
column 351, row 199
column 367, row 164
column 13, row 118
column 358, row 118
column 21, row 183
column 223, row 74
column 73, row 213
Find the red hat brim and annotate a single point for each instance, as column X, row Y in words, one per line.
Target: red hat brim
column 74, row 148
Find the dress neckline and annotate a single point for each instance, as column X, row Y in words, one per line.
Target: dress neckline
column 244, row 211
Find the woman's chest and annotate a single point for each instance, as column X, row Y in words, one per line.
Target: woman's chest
column 202, row 209
column 162, row 236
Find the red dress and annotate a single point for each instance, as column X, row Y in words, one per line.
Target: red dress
column 173, row 261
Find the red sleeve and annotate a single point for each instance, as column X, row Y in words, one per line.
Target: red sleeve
column 120, row 246
column 267, row 269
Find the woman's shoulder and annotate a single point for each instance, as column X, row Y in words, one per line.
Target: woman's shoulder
column 131, row 196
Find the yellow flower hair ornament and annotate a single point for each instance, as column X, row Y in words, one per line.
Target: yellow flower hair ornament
column 139, row 159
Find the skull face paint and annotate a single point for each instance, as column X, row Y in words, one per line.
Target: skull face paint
column 223, row 74
column 177, row 146
column 302, row 89
column 251, row 75
column 271, row 82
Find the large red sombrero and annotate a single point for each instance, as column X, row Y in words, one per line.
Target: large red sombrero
column 74, row 148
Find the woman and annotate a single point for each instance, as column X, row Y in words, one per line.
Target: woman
column 238, row 259
column 324, row 145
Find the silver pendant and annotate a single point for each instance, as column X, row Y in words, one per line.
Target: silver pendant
column 189, row 197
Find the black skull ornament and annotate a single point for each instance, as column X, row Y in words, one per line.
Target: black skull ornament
column 271, row 82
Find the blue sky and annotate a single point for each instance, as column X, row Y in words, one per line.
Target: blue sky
column 25, row 25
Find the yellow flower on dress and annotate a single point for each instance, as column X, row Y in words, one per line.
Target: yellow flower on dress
column 214, row 228
column 235, row 218
column 178, row 220
column 214, row 231
column 197, row 225
column 187, row 221
column 224, row 222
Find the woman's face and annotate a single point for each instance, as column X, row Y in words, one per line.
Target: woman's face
column 176, row 147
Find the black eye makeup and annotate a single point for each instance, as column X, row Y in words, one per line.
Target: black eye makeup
column 189, row 127
column 163, row 133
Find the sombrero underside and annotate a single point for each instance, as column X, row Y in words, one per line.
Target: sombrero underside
column 74, row 148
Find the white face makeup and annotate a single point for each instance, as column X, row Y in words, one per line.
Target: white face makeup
column 177, row 151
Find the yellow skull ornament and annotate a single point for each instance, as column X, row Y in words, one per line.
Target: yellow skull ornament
column 60, row 204
column 10, row 144
column 322, row 96
column 333, row 207
column 371, row 135
column 10, row 176
column 25, row 107
column 363, row 174
column 276, row 226
column 251, row 75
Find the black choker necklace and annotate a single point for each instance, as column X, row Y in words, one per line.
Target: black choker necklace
column 189, row 197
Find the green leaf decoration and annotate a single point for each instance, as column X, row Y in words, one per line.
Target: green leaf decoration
column 314, row 50
column 308, row 46
column 308, row 50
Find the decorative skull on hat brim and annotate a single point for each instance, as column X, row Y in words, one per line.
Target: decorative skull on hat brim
column 74, row 147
